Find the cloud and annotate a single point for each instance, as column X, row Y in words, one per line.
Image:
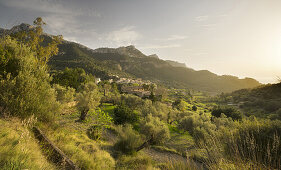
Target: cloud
column 124, row 36
column 161, row 46
column 201, row 18
column 200, row 53
column 173, row 38
column 208, row 26
column 50, row 6
column 61, row 23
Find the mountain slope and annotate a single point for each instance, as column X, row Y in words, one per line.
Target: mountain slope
column 264, row 99
column 130, row 62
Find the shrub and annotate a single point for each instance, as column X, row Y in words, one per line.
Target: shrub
column 128, row 139
column 24, row 82
column 194, row 108
column 64, row 94
column 123, row 114
column 95, row 132
column 228, row 111
column 154, row 128
column 88, row 98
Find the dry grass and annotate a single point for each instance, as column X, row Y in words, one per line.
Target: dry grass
column 18, row 148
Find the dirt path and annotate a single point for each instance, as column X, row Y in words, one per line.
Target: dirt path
column 164, row 157
column 161, row 156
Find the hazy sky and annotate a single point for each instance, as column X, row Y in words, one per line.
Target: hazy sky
column 237, row 37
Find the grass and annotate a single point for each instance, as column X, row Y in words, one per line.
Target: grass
column 71, row 138
column 19, row 149
column 108, row 108
column 138, row 161
column 180, row 140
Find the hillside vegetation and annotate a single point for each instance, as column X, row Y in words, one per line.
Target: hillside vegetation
column 130, row 62
column 99, row 126
column 263, row 101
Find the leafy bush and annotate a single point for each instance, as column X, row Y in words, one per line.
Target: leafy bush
column 73, row 78
column 154, row 128
column 128, row 139
column 64, row 94
column 123, row 114
column 24, row 83
column 228, row 111
column 95, row 132
column 101, row 121
column 88, row 98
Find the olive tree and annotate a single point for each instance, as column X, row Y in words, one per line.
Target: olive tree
column 88, row 98
column 156, row 131
column 24, row 79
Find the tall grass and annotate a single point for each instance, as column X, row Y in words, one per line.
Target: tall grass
column 19, row 149
column 253, row 145
column 84, row 152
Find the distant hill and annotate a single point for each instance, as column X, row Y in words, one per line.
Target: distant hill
column 263, row 100
column 128, row 61
column 175, row 63
column 131, row 62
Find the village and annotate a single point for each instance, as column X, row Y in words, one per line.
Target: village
column 137, row 86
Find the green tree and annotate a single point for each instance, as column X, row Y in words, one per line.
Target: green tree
column 123, row 114
column 155, row 130
column 88, row 98
column 70, row 77
column 43, row 47
column 64, row 94
column 24, row 80
column 228, row 111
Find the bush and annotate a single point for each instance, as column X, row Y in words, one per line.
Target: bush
column 123, row 114
column 88, row 98
column 228, row 111
column 95, row 132
column 73, row 78
column 64, row 94
column 155, row 129
column 194, row 108
column 128, row 139
column 24, row 83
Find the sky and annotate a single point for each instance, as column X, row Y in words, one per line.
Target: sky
column 227, row 37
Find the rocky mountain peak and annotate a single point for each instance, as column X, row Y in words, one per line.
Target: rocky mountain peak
column 21, row 27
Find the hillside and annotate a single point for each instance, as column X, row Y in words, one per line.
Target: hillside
column 264, row 100
column 130, row 62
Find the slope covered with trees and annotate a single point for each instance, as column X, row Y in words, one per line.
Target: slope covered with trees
column 99, row 127
column 263, row 101
column 128, row 61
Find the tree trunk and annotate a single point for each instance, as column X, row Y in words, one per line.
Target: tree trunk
column 145, row 144
column 83, row 114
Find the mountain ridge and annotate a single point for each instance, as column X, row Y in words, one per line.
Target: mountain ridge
column 130, row 62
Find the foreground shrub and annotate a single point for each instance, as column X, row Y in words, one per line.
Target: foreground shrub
column 251, row 143
column 88, row 98
column 154, row 128
column 123, row 114
column 258, row 142
column 64, row 94
column 228, row 111
column 128, row 139
column 24, row 83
